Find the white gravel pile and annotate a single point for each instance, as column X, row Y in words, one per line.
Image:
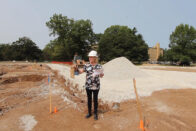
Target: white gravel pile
column 117, row 83
column 121, row 68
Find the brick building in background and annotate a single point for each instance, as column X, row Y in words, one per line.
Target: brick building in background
column 155, row 52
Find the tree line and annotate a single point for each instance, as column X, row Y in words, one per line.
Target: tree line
column 22, row 49
column 182, row 46
column 73, row 36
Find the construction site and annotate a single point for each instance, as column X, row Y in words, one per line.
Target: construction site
column 44, row 97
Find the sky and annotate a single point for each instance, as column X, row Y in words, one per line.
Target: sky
column 154, row 19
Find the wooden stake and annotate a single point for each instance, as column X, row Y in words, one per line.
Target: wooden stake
column 50, row 94
column 138, row 107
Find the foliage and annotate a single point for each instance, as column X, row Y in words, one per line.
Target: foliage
column 185, row 60
column 5, row 52
column 22, row 49
column 122, row 41
column 72, row 36
column 183, row 43
column 98, row 37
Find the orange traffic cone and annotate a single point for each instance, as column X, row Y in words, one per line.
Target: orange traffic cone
column 142, row 125
column 55, row 110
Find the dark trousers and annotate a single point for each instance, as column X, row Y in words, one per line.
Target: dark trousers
column 95, row 100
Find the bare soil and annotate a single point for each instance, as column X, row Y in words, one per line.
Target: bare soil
column 24, row 90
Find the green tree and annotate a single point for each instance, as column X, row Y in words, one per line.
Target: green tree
column 161, row 58
column 183, row 43
column 22, row 49
column 5, row 52
column 98, row 37
column 25, row 49
column 122, row 41
column 72, row 36
column 48, row 51
column 185, row 60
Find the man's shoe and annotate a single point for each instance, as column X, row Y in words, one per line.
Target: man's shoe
column 88, row 115
column 96, row 117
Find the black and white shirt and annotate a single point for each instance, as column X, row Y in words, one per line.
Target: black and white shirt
column 92, row 82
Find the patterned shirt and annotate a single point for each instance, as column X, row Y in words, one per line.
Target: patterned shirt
column 92, row 82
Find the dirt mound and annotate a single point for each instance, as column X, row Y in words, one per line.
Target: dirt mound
column 121, row 68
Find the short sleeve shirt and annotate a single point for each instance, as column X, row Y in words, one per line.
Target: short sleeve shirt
column 92, row 82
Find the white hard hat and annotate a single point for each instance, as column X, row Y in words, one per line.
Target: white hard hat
column 93, row 53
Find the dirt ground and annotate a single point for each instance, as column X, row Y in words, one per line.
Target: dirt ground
column 24, row 90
